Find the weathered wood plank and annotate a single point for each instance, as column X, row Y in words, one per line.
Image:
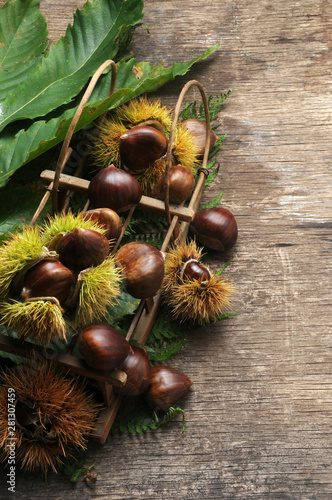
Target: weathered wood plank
column 259, row 412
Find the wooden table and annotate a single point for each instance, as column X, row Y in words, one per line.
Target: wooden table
column 259, row 414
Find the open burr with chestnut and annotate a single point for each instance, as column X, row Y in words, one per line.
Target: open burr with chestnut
column 190, row 289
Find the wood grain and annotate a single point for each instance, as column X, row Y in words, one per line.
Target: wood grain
column 259, row 412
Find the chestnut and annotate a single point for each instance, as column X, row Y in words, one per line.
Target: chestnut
column 103, row 347
column 197, row 128
column 108, row 220
column 216, row 228
column 195, row 270
column 115, row 189
column 82, row 248
column 48, row 278
column 168, row 386
column 137, row 368
column 141, row 146
column 181, row 184
column 143, row 268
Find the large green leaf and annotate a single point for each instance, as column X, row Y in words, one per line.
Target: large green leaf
column 23, row 38
column 64, row 71
column 41, row 135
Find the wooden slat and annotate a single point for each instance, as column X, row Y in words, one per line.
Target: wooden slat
column 68, row 182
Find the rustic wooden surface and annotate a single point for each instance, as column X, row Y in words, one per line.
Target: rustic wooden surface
column 259, row 414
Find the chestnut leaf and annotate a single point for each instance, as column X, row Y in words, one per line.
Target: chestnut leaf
column 63, row 72
column 23, row 40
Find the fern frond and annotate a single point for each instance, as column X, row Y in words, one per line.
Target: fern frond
column 213, row 203
column 166, row 339
column 212, row 175
column 215, row 104
column 135, row 418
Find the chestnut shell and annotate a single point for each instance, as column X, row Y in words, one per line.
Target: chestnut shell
column 103, row 347
column 137, row 368
column 141, row 146
column 195, row 270
column 143, row 268
column 82, row 248
column 216, row 228
column 108, row 219
column 197, row 128
column 181, row 184
column 114, row 188
column 168, row 387
column 48, row 278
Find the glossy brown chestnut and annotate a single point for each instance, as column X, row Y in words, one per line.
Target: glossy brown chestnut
column 197, row 128
column 114, row 188
column 216, row 228
column 48, row 278
column 103, row 347
column 143, row 268
column 82, row 248
column 137, row 368
column 181, row 184
column 141, row 146
column 195, row 270
column 168, row 387
column 108, row 220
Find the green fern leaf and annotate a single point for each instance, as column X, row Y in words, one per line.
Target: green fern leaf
column 166, row 339
column 213, row 203
column 215, row 104
column 212, row 175
column 217, row 145
column 135, row 417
